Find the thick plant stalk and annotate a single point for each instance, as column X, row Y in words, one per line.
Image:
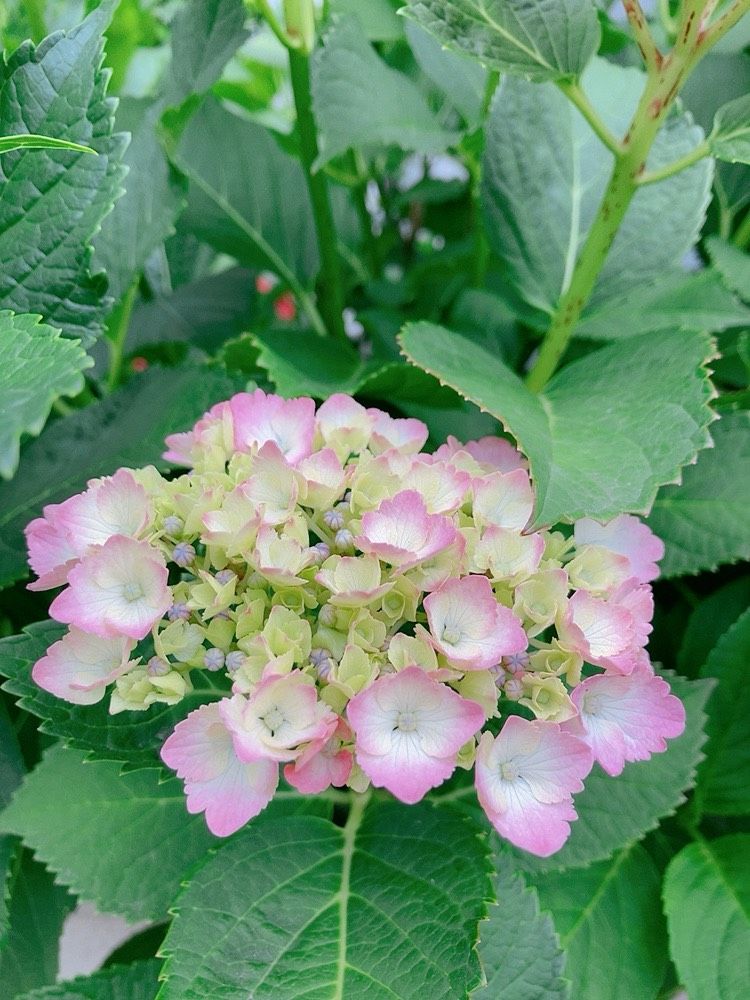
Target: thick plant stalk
column 664, row 82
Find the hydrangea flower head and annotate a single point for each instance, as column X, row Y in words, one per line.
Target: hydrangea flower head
column 361, row 612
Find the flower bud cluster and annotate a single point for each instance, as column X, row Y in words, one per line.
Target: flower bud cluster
column 342, row 603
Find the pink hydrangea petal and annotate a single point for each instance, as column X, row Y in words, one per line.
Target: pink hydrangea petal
column 259, row 417
column 402, row 533
column 628, row 536
column 504, row 499
column 116, row 505
column 405, row 435
column 595, row 628
column 79, row 666
column 322, row 764
column 51, row 555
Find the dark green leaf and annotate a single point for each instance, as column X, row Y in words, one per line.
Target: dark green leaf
column 730, row 138
column 37, row 366
column 707, row 902
column 384, row 909
column 544, row 176
column 708, row 622
column 127, row 428
column 704, row 520
column 541, row 39
column 608, row 429
column 610, row 924
column 11, row 772
column 138, row 981
column 53, row 201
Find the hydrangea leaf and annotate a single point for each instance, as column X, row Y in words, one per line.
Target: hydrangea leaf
column 610, row 924
column 710, row 879
column 67, row 809
column 305, row 908
column 154, row 196
column 378, row 18
column 724, row 776
column 53, row 201
column 38, row 908
column 127, row 428
column 732, row 264
column 699, row 301
column 704, row 520
column 730, row 137
column 8, row 142
column 541, row 39
column 359, row 101
column 539, row 208
column 519, row 966
column 138, row 981
column 37, row 366
column 462, row 79
column 261, row 222
column 607, row 431
column 708, row 622
column 12, row 770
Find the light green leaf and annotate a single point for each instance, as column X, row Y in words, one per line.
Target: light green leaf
column 360, row 102
column 247, row 198
column 704, row 520
column 519, row 966
column 378, row 18
column 52, row 201
column 732, row 264
column 26, row 141
column 386, row 908
column 154, row 195
column 205, row 35
column 606, row 432
column 724, row 776
column 38, row 908
column 462, row 79
column 699, row 301
column 138, row 981
column 707, row 902
column 541, row 39
column 37, row 366
column 610, row 924
column 127, row 428
column 730, row 137
column 544, row 176
column 122, row 841
column 708, row 622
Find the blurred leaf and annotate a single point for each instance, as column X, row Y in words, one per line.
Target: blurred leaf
column 53, row 201
column 610, row 924
column 539, row 208
column 707, row 902
column 730, row 137
column 704, row 520
column 360, row 102
column 732, row 264
column 724, row 776
column 607, row 431
column 378, row 18
column 539, row 40
column 37, row 366
column 9, row 142
column 138, row 981
column 710, row 619
column 127, row 428
column 462, row 79
column 12, row 770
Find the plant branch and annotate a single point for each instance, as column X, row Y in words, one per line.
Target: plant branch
column 117, row 331
column 652, row 57
column 726, row 22
column 264, row 8
column 676, row 166
column 576, row 95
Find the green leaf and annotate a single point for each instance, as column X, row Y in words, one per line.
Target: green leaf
column 708, row 622
column 53, row 201
column 360, row 102
column 247, row 198
column 12, row 770
column 123, row 841
column 462, row 79
column 205, row 35
column 144, row 217
column 606, row 432
column 37, row 366
column 724, row 776
column 127, row 428
column 525, row 965
column 378, row 18
column 707, row 902
column 38, row 908
column 138, row 981
column 732, row 264
column 544, row 176
column 730, row 137
column 614, row 812
column 704, row 520
column 25, row 141
column 388, row 907
column 131, row 737
column 610, row 924
column 540, row 39
column 699, row 301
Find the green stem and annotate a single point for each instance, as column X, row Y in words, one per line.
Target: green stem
column 353, row 823
column 369, row 241
column 117, row 331
column 741, row 237
column 267, row 12
column 670, row 169
column 574, row 92
column 726, row 22
column 332, row 298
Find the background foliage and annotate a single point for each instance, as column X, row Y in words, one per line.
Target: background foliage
column 134, row 293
